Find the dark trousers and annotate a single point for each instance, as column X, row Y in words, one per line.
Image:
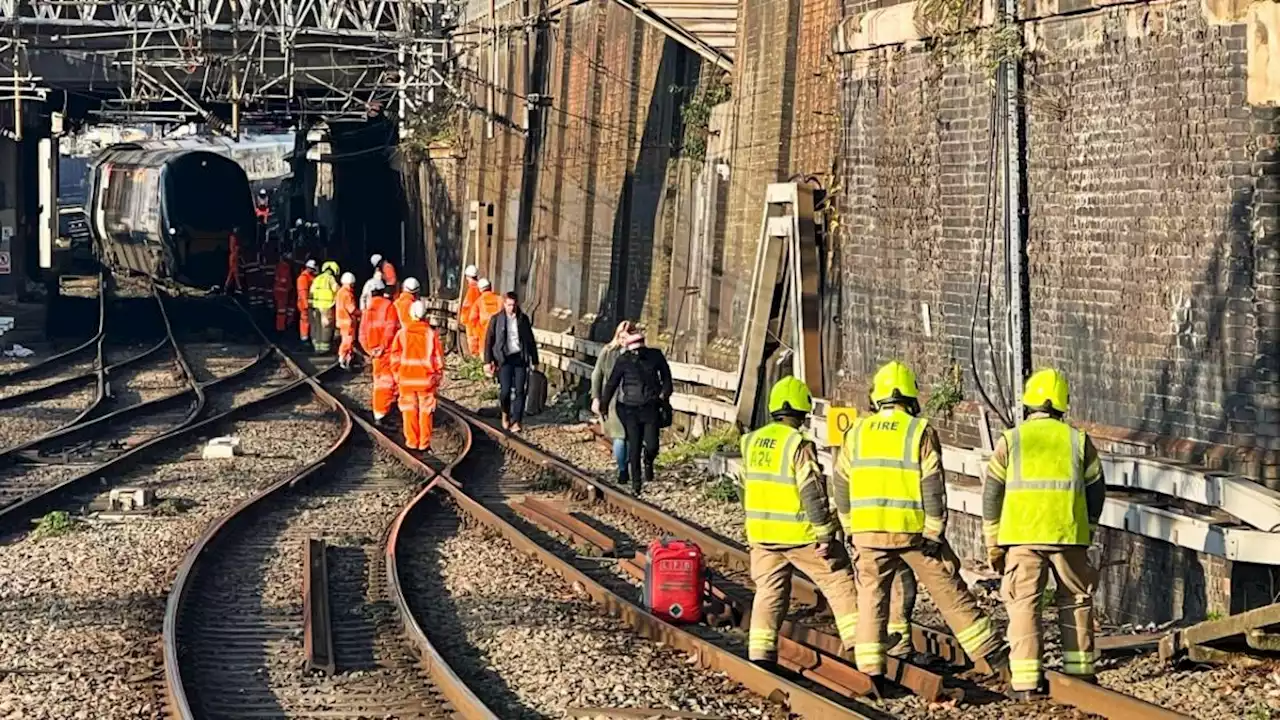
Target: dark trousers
column 513, row 376
column 641, row 424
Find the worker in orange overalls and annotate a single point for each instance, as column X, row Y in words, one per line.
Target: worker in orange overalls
column 347, row 315
column 283, row 286
column 408, row 294
column 470, row 292
column 388, row 270
column 304, row 299
column 487, row 305
column 417, row 358
column 378, row 328
column 233, row 263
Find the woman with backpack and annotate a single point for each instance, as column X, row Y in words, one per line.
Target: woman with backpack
column 641, row 379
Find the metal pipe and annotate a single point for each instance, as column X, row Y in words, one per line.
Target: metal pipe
column 1017, row 338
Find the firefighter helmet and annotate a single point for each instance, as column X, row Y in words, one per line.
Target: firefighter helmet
column 1047, row 390
column 790, row 395
column 893, row 381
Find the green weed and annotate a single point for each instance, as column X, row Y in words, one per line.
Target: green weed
column 472, row 369
column 723, row 490
column 1259, row 711
column 489, row 394
column 54, row 524
column 721, row 438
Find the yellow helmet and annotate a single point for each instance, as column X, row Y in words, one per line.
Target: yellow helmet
column 1047, row 389
column 893, row 380
column 331, row 266
column 790, row 394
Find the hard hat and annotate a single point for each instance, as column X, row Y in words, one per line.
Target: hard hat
column 375, row 259
column 376, row 285
column 471, row 271
column 484, row 284
column 893, row 380
column 262, row 192
column 348, row 278
column 330, row 266
column 418, row 310
column 412, row 284
column 1047, row 390
column 311, row 265
column 298, row 222
column 790, row 394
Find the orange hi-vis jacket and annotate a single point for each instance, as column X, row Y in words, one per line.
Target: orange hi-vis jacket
column 347, row 310
column 417, row 358
column 403, row 301
column 388, row 272
column 304, row 289
column 469, row 297
column 378, row 330
column 487, row 305
column 284, row 280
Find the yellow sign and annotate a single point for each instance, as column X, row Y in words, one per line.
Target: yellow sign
column 839, row 421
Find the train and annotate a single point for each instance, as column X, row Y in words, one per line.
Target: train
column 167, row 208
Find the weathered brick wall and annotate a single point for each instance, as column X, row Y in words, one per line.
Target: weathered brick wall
column 1151, row 221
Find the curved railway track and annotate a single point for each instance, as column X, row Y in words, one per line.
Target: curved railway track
column 606, row 520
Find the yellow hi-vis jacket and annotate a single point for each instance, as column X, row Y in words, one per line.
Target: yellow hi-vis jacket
column 324, row 291
column 1044, row 500
column 881, row 459
column 773, row 479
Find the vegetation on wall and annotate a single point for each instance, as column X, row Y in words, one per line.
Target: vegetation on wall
column 946, row 394
column 955, row 35
column 695, row 116
column 435, row 125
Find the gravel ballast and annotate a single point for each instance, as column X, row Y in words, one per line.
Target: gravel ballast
column 81, row 612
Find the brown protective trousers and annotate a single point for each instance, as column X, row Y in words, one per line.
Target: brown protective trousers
column 771, row 570
column 878, row 569
column 1026, row 575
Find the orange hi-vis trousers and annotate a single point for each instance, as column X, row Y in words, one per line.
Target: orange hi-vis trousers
column 417, row 411
column 347, row 348
column 384, row 386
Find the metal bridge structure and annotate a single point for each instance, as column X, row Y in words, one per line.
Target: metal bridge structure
column 223, row 60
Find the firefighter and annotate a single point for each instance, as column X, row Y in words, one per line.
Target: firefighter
column 283, row 286
column 890, row 498
column 378, row 328
column 324, row 294
column 473, row 336
column 789, row 524
column 417, row 360
column 1041, row 501
column 486, row 306
column 408, row 295
column 347, row 316
column 303, row 287
column 386, row 268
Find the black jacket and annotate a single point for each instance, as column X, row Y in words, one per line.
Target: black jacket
column 495, row 339
column 640, row 376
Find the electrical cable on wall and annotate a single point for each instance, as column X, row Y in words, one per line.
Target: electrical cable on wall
column 986, row 257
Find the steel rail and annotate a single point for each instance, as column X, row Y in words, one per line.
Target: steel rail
column 796, row 698
column 36, row 368
column 1063, row 688
column 27, row 506
column 174, row 686
column 463, row 700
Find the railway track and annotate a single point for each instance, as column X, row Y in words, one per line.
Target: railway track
column 626, row 523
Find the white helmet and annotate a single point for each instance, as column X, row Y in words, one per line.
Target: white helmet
column 418, row 310
column 411, row 284
column 311, row 265
column 471, row 271
column 298, row 223
column 348, row 278
column 484, row 284
column 375, row 259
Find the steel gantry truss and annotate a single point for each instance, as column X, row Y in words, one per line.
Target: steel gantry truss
column 198, row 57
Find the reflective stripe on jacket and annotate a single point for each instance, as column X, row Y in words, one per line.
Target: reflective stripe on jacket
column 771, row 492
column 486, row 306
column 1044, row 497
column 417, row 357
column 379, row 326
column 881, row 458
column 469, row 297
column 324, row 291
